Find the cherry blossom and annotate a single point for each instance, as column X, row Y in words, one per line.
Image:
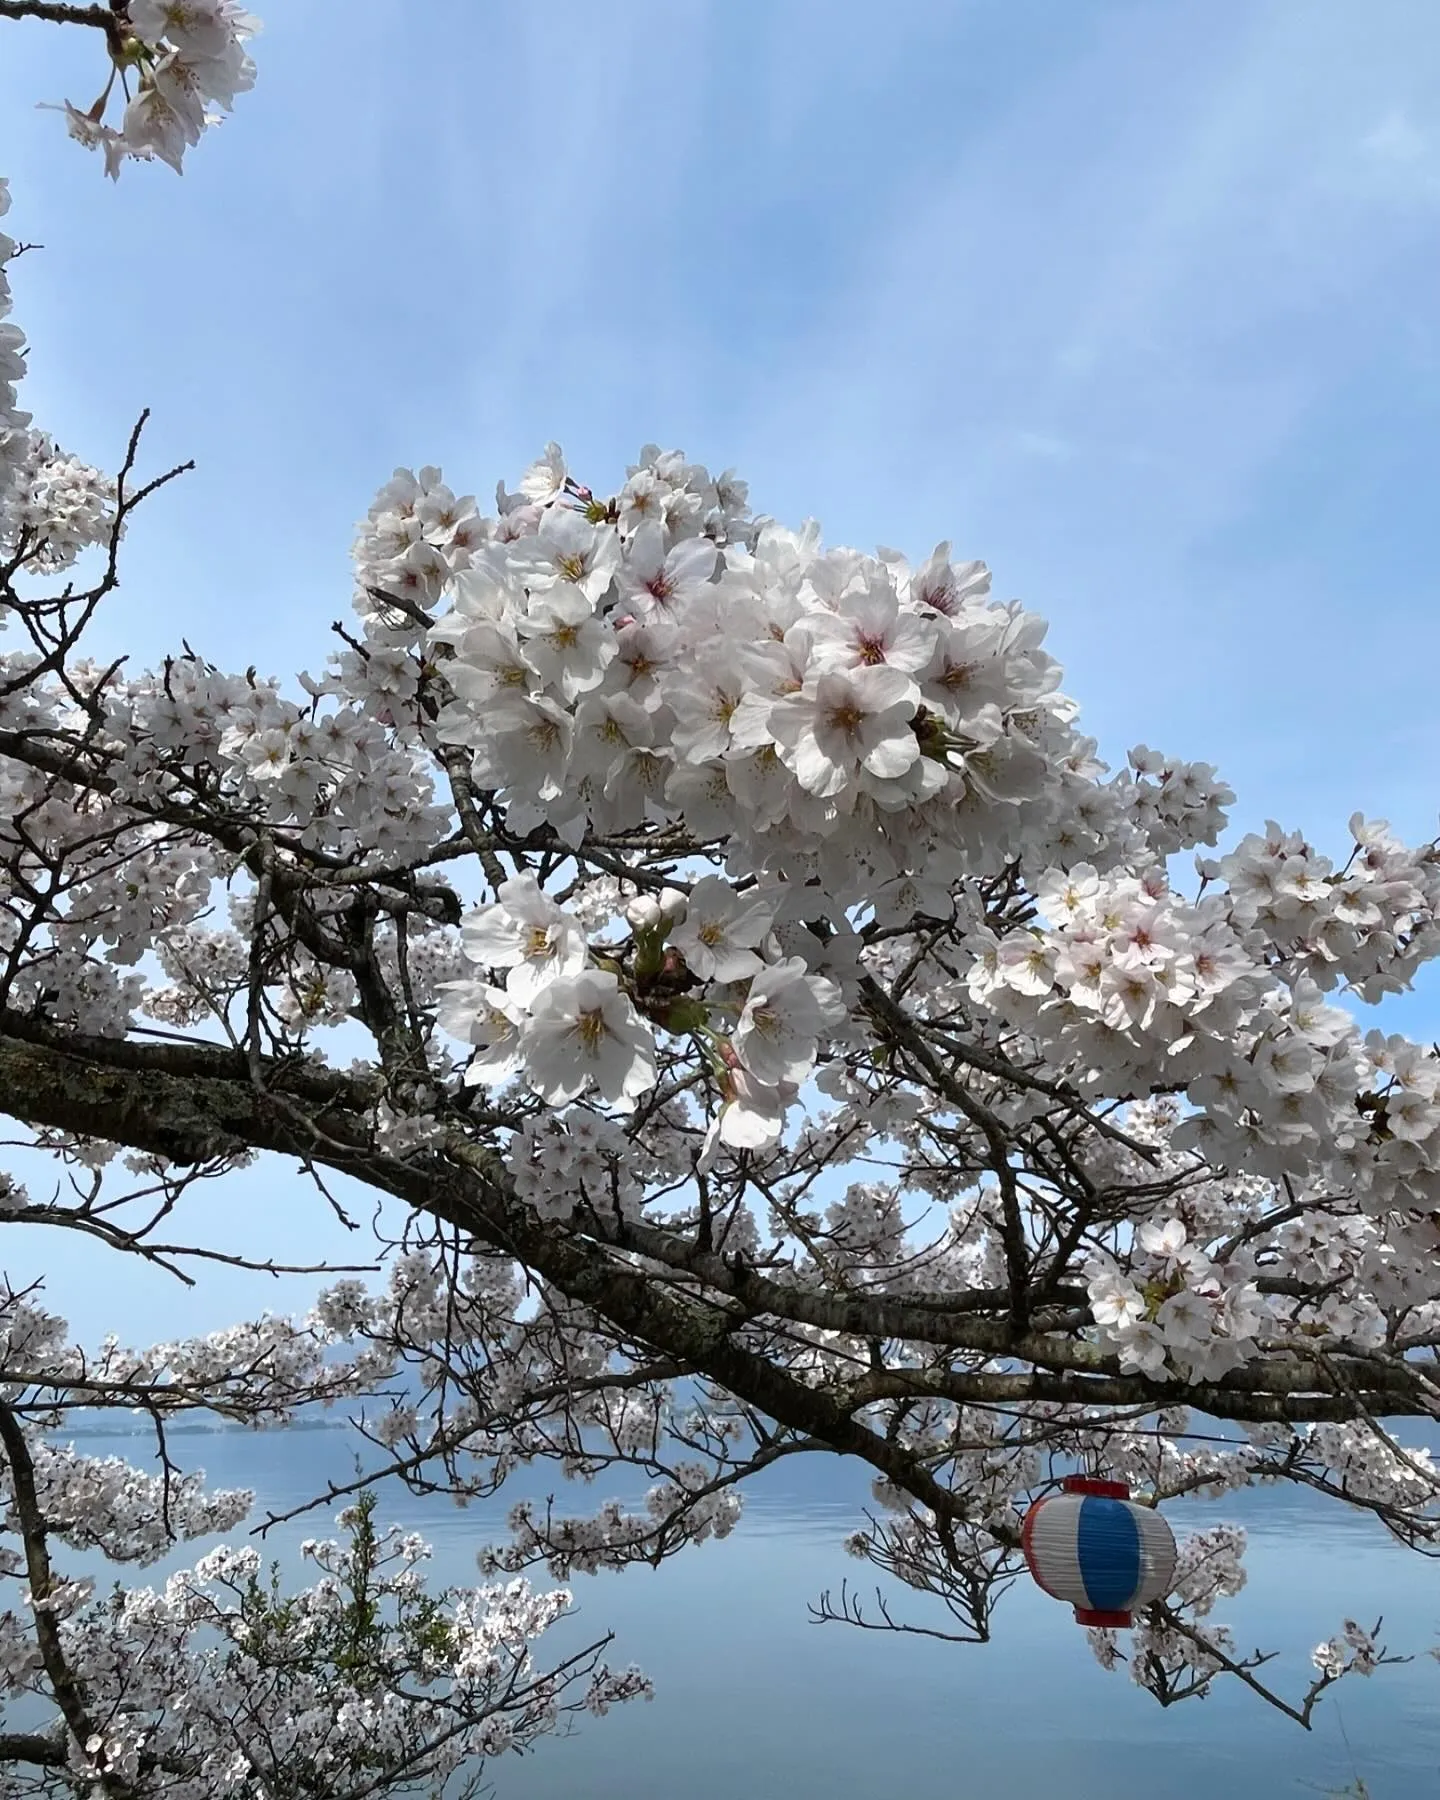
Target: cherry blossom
column 785, row 1011
column 174, row 61
column 583, row 1031
column 843, row 722
column 528, row 935
column 721, row 930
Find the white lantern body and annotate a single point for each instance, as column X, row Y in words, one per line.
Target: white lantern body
column 1093, row 1546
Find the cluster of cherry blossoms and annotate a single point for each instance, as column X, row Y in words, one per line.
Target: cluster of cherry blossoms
column 368, row 1672
column 602, row 658
column 660, row 657
column 1171, row 1310
column 1355, row 1652
column 14, row 442
column 1130, row 987
column 366, row 1681
column 337, row 775
column 176, row 62
column 613, row 1537
column 1209, row 1568
column 859, row 740
column 850, row 734
column 1207, row 1285
column 52, row 506
column 567, row 1021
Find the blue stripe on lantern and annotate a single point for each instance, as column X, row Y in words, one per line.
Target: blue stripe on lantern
column 1107, row 1548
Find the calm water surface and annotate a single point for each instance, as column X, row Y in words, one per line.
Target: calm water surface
column 756, row 1702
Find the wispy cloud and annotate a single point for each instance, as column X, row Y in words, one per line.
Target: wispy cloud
column 1400, row 163
column 1397, row 140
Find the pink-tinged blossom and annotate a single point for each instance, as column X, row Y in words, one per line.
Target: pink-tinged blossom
column 871, row 630
column 844, row 721
column 705, row 702
column 563, row 641
column 656, row 583
column 523, row 745
column 566, row 551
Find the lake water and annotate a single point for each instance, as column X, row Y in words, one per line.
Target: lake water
column 756, row 1702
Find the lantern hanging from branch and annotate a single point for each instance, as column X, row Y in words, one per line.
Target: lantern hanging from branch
column 1092, row 1545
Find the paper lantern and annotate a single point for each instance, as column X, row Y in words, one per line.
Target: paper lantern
column 1092, row 1545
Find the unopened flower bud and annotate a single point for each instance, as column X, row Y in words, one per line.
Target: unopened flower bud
column 643, row 913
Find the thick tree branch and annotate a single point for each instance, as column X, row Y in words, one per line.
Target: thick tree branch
column 138, row 1095
column 32, row 1747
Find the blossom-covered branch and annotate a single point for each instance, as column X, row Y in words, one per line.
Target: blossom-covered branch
column 173, row 62
column 1120, row 1240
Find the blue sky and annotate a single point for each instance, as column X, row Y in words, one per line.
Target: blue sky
column 1135, row 301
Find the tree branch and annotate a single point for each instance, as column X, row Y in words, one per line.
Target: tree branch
column 100, row 18
column 63, row 1683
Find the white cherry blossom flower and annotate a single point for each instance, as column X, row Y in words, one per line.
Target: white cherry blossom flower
column 566, row 551
column 843, row 721
column 1163, row 1238
column 490, row 1018
column 785, row 1012
column 563, row 641
column 528, row 935
column 582, row 1033
column 657, row 582
column 750, row 1117
column 545, row 479
column 871, row 630
column 1115, row 1302
column 722, row 930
